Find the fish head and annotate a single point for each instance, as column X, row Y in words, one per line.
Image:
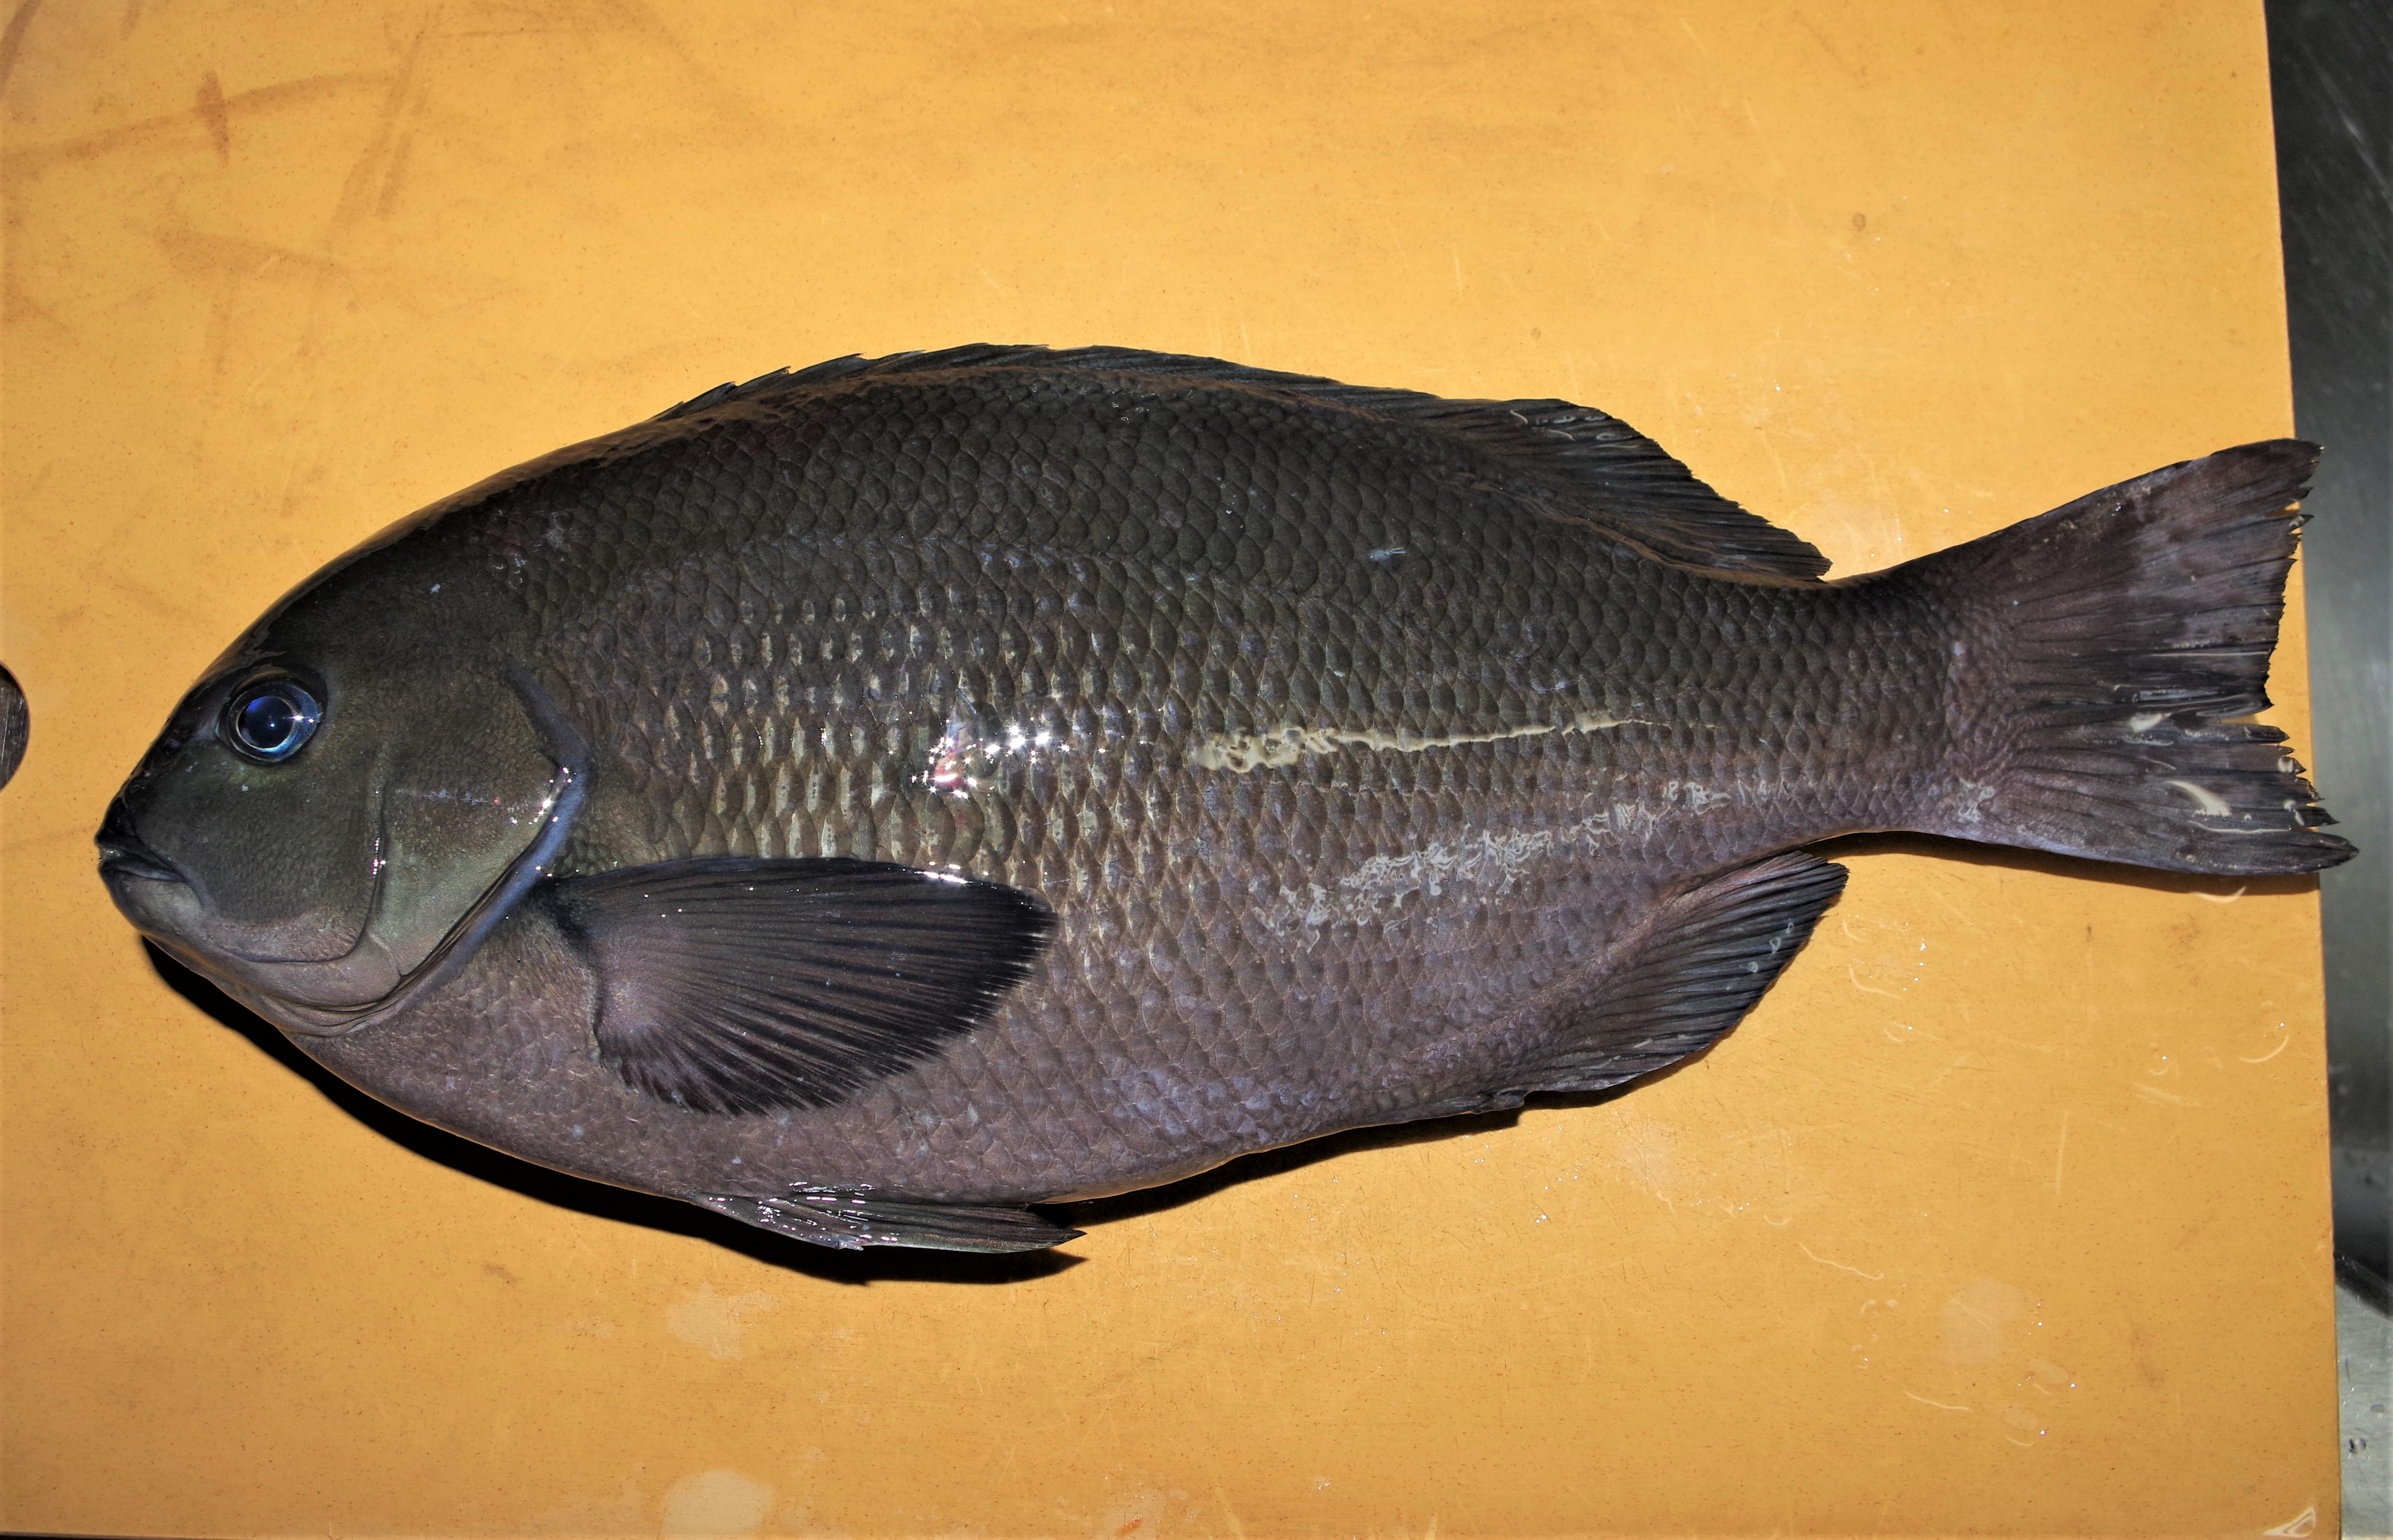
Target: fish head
column 349, row 798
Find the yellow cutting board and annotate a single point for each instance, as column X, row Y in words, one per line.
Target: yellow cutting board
column 2004, row 1214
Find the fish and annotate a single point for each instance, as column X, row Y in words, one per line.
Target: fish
column 15, row 726
column 875, row 801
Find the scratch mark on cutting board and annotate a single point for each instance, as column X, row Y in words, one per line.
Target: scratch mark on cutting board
column 1868, row 989
column 211, row 107
column 13, row 40
column 369, row 171
column 2263, row 1058
column 1841, row 1267
column 170, row 126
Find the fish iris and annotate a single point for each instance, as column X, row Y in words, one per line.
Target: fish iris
column 271, row 721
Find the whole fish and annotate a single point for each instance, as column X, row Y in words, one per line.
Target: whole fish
column 870, row 801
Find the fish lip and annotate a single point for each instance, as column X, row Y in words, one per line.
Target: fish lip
column 140, row 862
column 125, row 853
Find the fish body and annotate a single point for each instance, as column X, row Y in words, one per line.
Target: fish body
column 870, row 801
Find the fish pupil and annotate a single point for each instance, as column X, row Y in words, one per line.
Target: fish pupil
column 269, row 722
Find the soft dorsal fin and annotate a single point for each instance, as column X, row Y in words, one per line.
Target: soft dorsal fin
column 742, row 985
column 1612, row 477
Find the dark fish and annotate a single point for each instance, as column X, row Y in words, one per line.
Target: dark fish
column 15, row 726
column 869, row 801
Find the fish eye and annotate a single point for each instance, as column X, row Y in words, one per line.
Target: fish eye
column 271, row 720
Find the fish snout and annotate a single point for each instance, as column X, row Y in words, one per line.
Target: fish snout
column 125, row 854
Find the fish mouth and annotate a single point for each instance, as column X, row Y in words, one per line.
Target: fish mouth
column 125, row 853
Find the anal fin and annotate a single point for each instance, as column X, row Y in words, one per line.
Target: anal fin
column 847, row 1220
column 1690, row 972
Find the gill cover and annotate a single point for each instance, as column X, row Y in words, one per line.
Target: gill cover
column 356, row 792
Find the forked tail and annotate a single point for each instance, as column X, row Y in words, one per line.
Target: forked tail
column 2105, row 653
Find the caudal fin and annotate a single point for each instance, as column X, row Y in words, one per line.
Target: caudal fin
column 2106, row 650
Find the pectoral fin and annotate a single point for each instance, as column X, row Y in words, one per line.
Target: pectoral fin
column 742, row 985
column 847, row 1220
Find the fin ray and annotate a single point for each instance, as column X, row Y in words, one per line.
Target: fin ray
column 847, row 1218
column 732, row 985
column 1695, row 964
column 2105, row 649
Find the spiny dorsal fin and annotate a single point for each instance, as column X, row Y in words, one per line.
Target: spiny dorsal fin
column 1612, row 477
column 742, row 985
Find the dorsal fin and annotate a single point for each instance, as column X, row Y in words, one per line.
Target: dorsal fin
column 1610, row 475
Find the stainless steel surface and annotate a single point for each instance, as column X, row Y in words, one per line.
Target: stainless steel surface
column 2331, row 62
column 2364, row 1360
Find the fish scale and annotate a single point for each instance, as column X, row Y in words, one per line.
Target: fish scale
column 941, row 784
column 1219, row 967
